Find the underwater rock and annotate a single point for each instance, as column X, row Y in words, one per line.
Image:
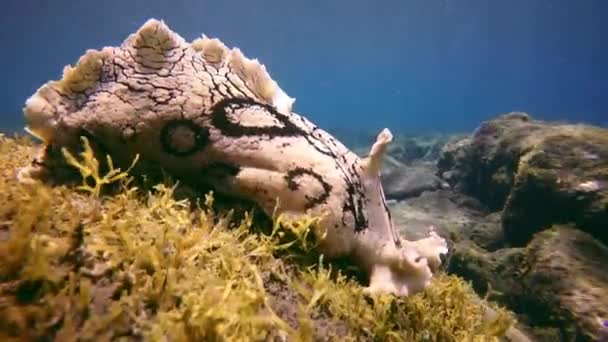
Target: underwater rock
column 495, row 272
column 562, row 179
column 566, row 271
column 496, row 276
column 410, row 181
column 533, row 175
column 487, row 233
column 208, row 115
column 558, row 283
column 538, row 173
column 453, row 164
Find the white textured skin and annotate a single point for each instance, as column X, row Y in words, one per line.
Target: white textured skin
column 207, row 114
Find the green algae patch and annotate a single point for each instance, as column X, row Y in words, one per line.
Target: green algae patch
column 77, row 263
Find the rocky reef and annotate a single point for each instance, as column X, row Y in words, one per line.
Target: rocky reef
column 541, row 248
column 537, row 173
column 557, row 284
column 110, row 257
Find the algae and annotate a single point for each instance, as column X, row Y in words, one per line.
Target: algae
column 537, row 173
column 78, row 263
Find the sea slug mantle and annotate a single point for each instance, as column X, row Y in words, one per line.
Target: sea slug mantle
column 204, row 112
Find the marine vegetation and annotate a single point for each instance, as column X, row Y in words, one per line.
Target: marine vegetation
column 117, row 258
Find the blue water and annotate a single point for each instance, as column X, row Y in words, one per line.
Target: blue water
column 411, row 65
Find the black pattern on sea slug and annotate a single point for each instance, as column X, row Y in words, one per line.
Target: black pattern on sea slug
column 220, row 119
column 293, row 185
column 183, row 138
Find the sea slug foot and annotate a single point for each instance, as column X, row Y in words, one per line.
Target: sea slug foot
column 403, row 272
column 431, row 248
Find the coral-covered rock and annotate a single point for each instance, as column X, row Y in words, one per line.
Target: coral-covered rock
column 484, row 165
column 538, row 173
column 565, row 271
column 558, row 284
column 487, row 232
column 562, row 178
column 493, row 272
column 453, row 164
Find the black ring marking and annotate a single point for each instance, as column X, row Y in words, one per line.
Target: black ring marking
column 221, row 121
column 291, row 176
column 200, row 137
